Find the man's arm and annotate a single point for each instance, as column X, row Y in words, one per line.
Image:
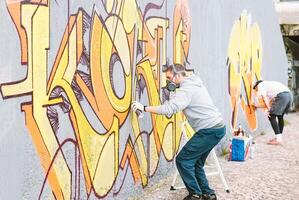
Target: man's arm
column 179, row 102
column 151, row 109
column 266, row 103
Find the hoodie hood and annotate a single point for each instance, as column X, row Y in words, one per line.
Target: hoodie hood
column 197, row 105
column 192, row 80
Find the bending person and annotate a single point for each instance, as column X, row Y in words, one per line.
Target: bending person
column 277, row 99
column 193, row 99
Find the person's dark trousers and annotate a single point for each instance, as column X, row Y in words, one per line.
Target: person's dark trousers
column 191, row 159
column 277, row 127
column 279, row 107
column 280, row 123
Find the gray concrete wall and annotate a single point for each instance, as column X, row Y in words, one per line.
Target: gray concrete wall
column 79, row 144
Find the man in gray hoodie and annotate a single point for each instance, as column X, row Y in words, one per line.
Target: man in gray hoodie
column 193, row 99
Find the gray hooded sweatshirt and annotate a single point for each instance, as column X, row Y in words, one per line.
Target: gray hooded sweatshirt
column 194, row 100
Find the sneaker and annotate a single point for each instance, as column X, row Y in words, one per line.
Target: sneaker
column 193, row 197
column 274, row 142
column 209, row 197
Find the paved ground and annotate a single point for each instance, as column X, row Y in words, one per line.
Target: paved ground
column 273, row 173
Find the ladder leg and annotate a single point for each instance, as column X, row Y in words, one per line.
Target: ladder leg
column 220, row 171
column 174, row 180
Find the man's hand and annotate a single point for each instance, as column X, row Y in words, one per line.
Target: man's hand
column 267, row 112
column 137, row 106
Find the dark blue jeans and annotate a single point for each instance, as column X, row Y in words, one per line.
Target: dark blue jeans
column 192, row 157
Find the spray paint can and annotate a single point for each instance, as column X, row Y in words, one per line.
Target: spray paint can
column 139, row 113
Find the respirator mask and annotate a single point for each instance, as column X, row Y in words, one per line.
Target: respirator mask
column 171, row 85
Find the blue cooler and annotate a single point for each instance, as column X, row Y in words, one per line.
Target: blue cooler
column 240, row 148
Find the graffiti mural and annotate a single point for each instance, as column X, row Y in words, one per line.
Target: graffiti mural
column 83, row 74
column 244, row 67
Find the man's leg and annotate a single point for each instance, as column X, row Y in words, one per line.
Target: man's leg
column 285, row 104
column 280, row 106
column 185, row 162
column 197, row 147
column 274, row 124
column 199, row 170
column 275, row 127
column 280, row 123
column 201, row 175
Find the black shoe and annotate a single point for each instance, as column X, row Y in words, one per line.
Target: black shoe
column 193, row 197
column 209, row 197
